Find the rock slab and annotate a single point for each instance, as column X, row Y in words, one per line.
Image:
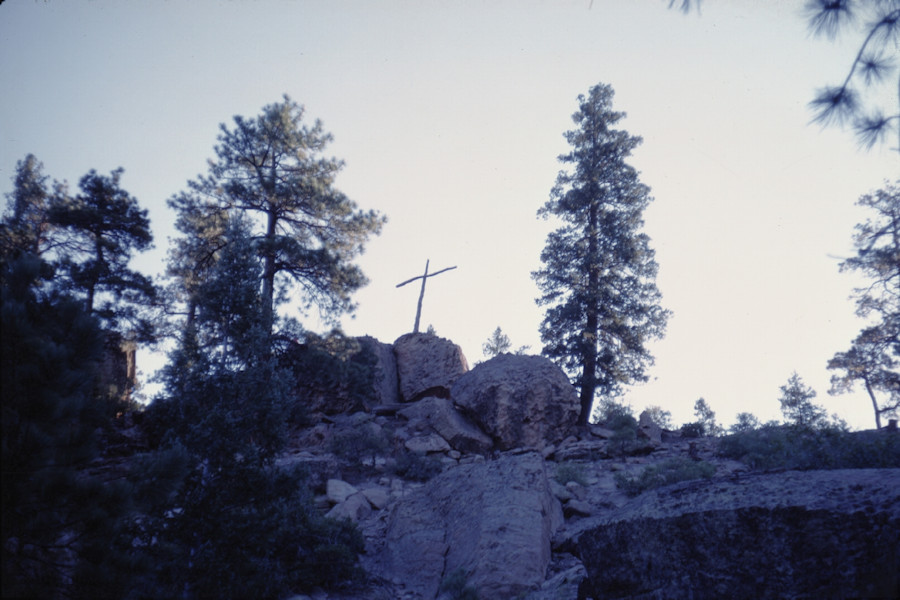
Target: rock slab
column 519, row 401
column 816, row 534
column 494, row 520
column 427, row 365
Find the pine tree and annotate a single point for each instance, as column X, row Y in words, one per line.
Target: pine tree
column 874, row 356
column 25, row 227
column 104, row 226
column 598, row 279
column 497, row 344
column 797, row 406
column 272, row 167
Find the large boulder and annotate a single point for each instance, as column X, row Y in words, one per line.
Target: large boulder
column 492, row 521
column 520, row 401
column 427, row 365
column 812, row 534
column 447, row 422
column 385, row 389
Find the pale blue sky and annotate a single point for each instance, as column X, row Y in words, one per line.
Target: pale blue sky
column 450, row 117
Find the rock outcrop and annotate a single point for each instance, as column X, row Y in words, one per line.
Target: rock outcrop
column 444, row 420
column 427, row 365
column 520, row 401
column 492, row 520
column 812, row 534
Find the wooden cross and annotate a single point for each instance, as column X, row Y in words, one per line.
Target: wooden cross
column 422, row 293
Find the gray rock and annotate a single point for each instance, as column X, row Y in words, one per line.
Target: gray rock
column 492, row 519
column 338, row 490
column 520, row 401
column 648, row 429
column 576, row 489
column 427, row 444
column 427, row 365
column 566, row 574
column 378, row 497
column 356, row 507
column 443, row 418
column 811, row 534
column 578, row 507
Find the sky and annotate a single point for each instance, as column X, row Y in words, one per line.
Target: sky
column 450, row 118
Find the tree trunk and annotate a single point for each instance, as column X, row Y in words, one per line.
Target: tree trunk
column 874, row 404
column 592, row 321
column 268, row 289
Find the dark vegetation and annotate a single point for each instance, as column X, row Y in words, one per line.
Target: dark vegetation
column 195, row 507
column 792, row 447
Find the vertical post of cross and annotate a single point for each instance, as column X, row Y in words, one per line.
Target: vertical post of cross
column 424, row 278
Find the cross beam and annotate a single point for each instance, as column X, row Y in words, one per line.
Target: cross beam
column 424, row 278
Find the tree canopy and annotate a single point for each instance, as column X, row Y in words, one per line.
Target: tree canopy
column 598, row 275
column 272, row 168
column 99, row 231
column 874, row 356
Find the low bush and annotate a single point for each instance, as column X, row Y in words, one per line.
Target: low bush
column 360, row 445
column 417, row 466
column 790, row 447
column 693, row 430
column 568, row 471
column 667, row 472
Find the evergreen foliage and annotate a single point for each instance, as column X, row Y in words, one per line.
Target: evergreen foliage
column 272, row 167
column 857, row 99
column 242, row 528
column 99, row 230
column 797, row 406
column 874, row 356
column 26, row 225
column 65, row 529
column 745, row 422
column 826, row 447
column 706, row 421
column 497, row 344
column 598, row 275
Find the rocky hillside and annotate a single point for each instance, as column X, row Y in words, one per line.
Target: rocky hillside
column 477, row 484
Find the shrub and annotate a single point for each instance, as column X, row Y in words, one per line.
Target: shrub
column 667, row 472
column 568, row 471
column 693, row 430
column 417, row 466
column 608, row 410
column 792, row 447
column 357, row 446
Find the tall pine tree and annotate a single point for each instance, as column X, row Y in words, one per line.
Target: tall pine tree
column 272, row 168
column 598, row 275
column 104, row 225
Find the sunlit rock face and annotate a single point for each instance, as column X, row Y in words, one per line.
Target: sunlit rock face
column 519, row 401
column 818, row 534
column 427, row 365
